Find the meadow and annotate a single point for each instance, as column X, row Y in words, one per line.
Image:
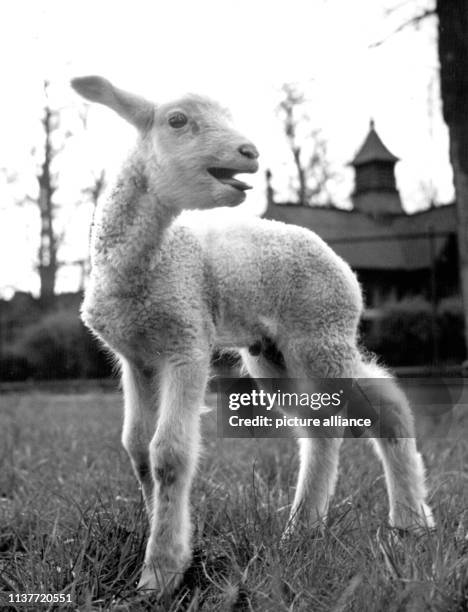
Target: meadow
column 72, row 520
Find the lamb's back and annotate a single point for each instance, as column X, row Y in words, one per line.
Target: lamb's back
column 261, row 266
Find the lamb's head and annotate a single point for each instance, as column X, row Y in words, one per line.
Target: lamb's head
column 192, row 153
column 199, row 151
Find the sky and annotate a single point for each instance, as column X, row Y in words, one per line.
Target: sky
column 239, row 52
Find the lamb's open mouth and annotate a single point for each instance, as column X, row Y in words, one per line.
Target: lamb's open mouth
column 226, row 176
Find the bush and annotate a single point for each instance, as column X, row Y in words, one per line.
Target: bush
column 404, row 333
column 14, row 367
column 451, row 325
column 56, row 346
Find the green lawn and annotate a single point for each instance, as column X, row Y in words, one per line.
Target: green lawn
column 72, row 521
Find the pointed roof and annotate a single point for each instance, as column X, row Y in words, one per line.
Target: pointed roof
column 373, row 149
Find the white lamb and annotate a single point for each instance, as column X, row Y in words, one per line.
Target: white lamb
column 164, row 293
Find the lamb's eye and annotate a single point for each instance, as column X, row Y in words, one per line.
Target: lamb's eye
column 178, row 120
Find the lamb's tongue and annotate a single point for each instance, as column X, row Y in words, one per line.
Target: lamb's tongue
column 235, row 183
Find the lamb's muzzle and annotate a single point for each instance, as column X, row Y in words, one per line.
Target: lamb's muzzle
column 249, row 151
column 226, row 175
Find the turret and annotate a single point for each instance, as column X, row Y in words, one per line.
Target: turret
column 375, row 191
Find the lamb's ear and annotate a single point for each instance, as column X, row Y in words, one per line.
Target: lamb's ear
column 137, row 111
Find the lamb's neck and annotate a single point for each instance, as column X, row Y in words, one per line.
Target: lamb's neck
column 129, row 227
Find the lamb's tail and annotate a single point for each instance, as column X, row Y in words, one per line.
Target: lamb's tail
column 371, row 368
column 382, row 396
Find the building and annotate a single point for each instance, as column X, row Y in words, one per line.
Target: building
column 395, row 254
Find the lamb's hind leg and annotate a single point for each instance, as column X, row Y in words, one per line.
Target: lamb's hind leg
column 319, row 456
column 174, row 453
column 140, row 414
column 396, row 448
column 318, row 459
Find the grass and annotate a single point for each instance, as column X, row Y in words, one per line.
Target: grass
column 72, row 520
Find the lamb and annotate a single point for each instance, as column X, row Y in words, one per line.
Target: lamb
column 164, row 292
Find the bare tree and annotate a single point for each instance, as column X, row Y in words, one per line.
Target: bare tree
column 307, row 146
column 453, row 58
column 452, row 16
column 95, row 191
column 51, row 238
column 93, row 194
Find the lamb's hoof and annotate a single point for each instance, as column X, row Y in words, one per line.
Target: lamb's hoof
column 315, row 529
column 413, row 523
column 286, row 537
column 156, row 580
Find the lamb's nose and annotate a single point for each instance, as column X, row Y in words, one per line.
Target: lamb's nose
column 249, row 151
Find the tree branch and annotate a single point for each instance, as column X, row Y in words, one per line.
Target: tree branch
column 414, row 21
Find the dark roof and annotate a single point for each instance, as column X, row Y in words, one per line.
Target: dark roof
column 368, row 243
column 373, row 149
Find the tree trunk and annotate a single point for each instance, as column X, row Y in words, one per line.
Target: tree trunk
column 453, row 57
column 458, row 159
column 48, row 264
column 301, row 175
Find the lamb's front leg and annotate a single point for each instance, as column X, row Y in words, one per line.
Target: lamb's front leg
column 174, row 453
